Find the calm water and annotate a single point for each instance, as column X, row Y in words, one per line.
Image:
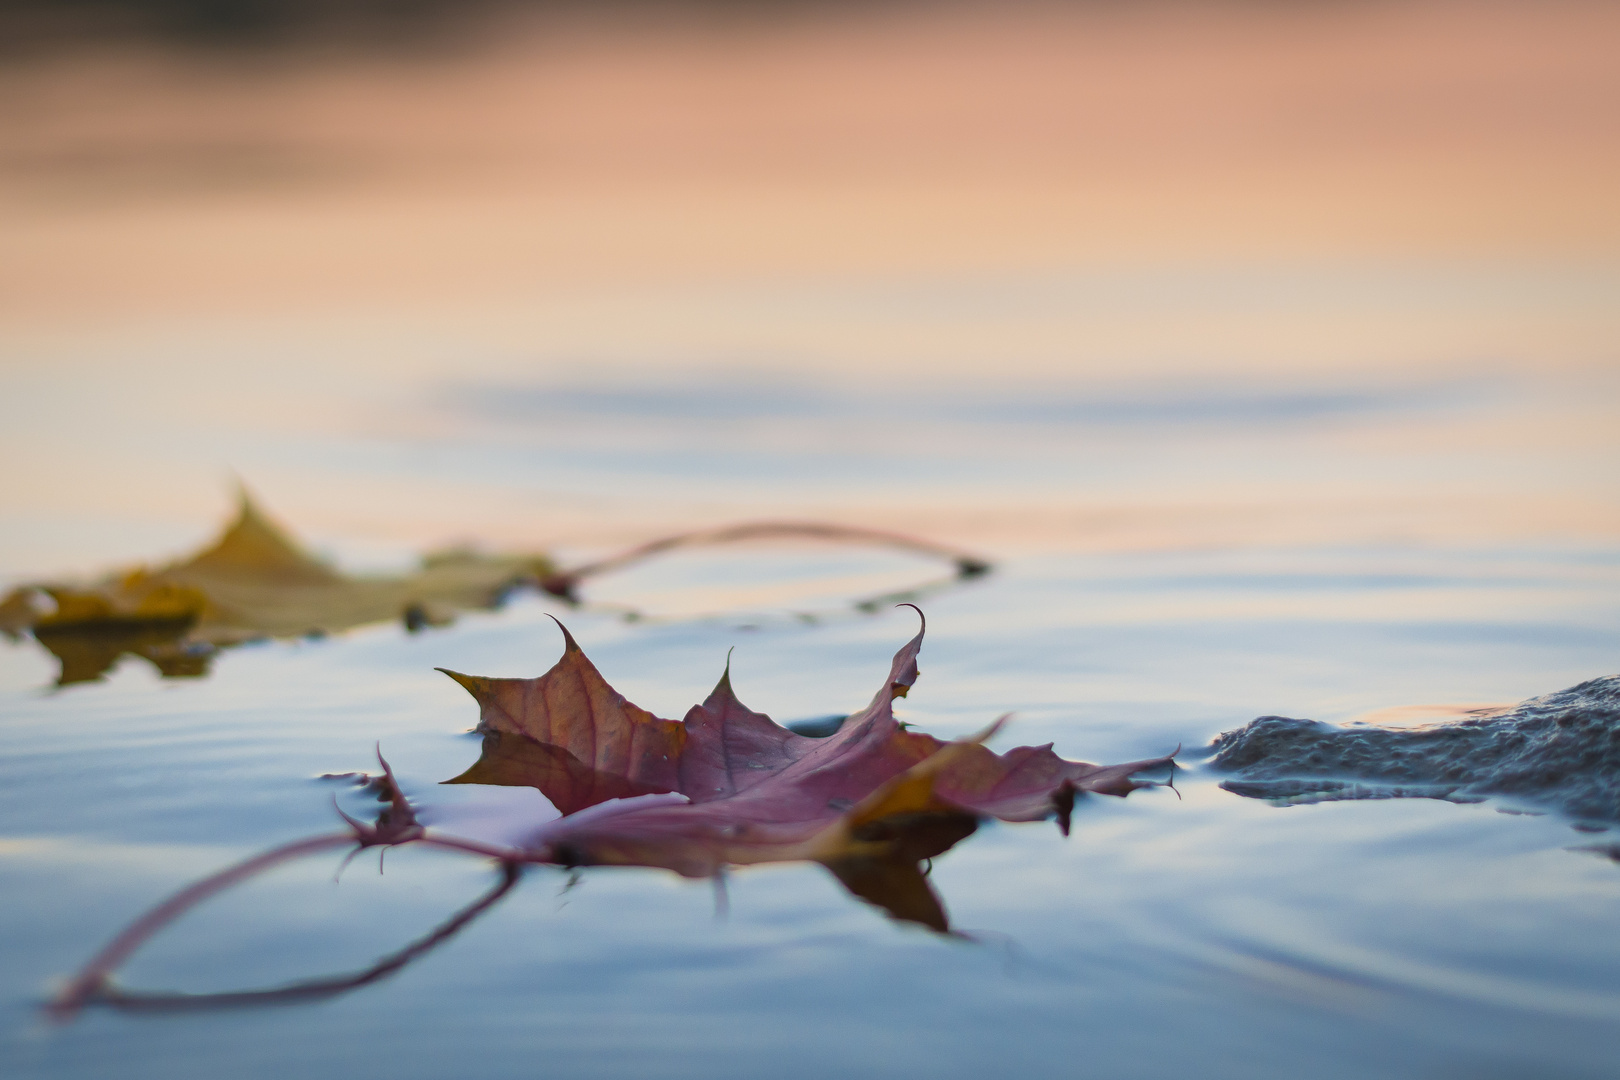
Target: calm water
column 1211, row 934
column 1178, row 552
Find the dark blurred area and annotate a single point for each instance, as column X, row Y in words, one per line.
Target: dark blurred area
column 47, row 25
column 43, row 25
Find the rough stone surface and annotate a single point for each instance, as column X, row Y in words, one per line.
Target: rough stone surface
column 1561, row 749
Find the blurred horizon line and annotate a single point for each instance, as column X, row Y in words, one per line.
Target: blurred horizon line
column 45, row 27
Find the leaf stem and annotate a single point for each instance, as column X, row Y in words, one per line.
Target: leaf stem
column 311, row 989
column 91, row 984
column 92, row 978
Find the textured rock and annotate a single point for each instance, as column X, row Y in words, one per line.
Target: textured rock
column 1561, row 749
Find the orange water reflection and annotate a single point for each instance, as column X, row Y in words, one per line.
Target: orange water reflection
column 288, row 261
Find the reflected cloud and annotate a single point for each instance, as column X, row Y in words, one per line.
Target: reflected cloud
column 733, row 400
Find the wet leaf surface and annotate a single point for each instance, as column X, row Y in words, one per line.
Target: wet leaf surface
column 872, row 800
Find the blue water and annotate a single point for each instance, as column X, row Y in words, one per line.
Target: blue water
column 1204, row 934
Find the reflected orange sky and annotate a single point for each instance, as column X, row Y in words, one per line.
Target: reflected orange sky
column 905, row 140
column 310, row 243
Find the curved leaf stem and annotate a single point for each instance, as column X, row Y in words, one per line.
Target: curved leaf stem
column 565, row 583
column 91, row 984
column 313, row 989
column 92, row 978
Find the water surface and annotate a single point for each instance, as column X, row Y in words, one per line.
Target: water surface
column 1205, row 933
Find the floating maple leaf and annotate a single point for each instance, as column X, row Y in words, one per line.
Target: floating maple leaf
column 256, row 581
column 253, row 581
column 750, row 791
column 723, row 787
